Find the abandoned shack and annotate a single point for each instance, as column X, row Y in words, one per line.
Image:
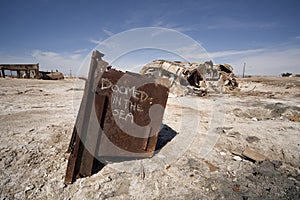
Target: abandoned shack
column 19, row 70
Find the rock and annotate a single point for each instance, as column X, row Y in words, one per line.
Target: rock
column 213, row 187
column 29, row 187
column 222, row 153
column 108, row 179
column 236, row 188
column 237, row 158
column 253, row 155
column 7, row 149
column 61, row 185
column 167, row 166
column 97, row 186
column 223, row 129
column 254, row 119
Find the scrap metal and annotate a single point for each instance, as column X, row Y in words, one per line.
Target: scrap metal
column 119, row 117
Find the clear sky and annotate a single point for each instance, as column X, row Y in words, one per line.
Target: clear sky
column 59, row 34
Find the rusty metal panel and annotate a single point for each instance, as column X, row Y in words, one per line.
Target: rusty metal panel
column 81, row 157
column 129, row 124
column 120, row 116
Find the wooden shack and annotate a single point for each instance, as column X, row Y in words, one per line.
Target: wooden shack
column 20, row 70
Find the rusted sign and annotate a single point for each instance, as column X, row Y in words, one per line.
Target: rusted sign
column 133, row 116
column 120, row 117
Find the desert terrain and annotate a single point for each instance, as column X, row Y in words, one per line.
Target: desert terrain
column 205, row 160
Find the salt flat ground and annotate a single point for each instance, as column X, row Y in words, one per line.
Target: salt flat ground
column 201, row 162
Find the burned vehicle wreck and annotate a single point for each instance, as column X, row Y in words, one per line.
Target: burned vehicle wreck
column 184, row 77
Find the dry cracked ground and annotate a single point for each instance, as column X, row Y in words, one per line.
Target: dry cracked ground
column 203, row 161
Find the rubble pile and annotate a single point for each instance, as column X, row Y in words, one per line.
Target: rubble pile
column 227, row 78
column 191, row 78
column 184, row 77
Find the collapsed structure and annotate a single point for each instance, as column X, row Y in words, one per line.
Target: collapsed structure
column 191, row 78
column 20, row 70
column 184, row 77
column 227, row 78
column 28, row 71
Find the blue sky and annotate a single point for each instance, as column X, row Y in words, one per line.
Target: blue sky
column 59, row 34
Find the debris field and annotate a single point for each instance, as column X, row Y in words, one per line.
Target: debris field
column 242, row 144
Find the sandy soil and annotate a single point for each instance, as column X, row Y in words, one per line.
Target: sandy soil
column 203, row 161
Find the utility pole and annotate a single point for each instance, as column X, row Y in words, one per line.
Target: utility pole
column 244, row 70
column 70, row 73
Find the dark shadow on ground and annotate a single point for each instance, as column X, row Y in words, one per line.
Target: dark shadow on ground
column 165, row 135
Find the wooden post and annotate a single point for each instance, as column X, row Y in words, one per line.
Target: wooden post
column 37, row 75
column 27, row 74
column 244, row 70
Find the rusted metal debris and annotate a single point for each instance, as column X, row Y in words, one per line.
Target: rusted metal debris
column 119, row 117
column 19, row 70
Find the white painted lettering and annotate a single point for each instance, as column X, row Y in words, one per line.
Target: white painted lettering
column 122, row 115
column 115, row 88
column 130, row 91
column 105, row 84
column 130, row 116
column 117, row 101
column 115, row 112
column 139, row 108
